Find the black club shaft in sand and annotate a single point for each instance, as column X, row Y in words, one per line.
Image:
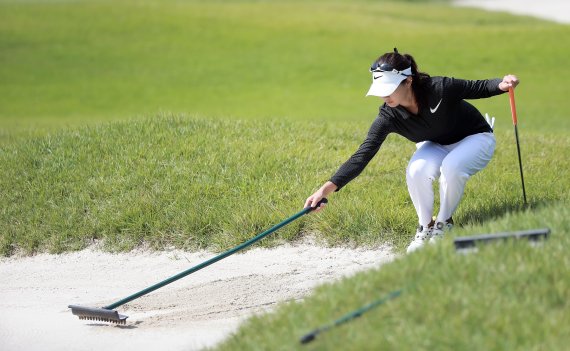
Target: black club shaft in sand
column 107, row 313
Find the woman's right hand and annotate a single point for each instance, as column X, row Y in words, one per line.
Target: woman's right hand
column 318, row 195
column 313, row 200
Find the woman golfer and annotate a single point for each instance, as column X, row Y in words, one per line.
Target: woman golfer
column 453, row 139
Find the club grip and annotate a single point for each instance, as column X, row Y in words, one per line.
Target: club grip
column 513, row 107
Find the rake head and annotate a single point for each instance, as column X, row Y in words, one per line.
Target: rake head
column 98, row 314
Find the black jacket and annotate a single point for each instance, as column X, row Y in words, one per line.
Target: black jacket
column 447, row 120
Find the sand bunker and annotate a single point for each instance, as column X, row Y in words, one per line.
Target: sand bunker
column 196, row 311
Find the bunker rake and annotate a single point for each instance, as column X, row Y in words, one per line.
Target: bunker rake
column 108, row 314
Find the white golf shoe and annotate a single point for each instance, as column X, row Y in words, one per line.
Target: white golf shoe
column 439, row 230
column 423, row 234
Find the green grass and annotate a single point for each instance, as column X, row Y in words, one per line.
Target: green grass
column 199, row 124
column 201, row 183
column 188, row 182
column 72, row 63
column 509, row 296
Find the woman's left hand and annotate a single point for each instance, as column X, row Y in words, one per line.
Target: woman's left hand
column 509, row 81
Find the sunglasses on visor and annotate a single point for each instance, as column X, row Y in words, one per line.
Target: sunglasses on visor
column 385, row 67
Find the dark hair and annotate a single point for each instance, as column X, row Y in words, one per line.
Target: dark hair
column 420, row 80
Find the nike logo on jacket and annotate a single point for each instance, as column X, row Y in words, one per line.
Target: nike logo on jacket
column 432, row 110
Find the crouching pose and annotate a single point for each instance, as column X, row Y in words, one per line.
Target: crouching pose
column 454, row 141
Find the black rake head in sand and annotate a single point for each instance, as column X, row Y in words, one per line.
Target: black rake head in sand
column 98, row 314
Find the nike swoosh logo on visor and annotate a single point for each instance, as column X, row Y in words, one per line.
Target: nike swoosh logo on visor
column 436, row 107
column 380, row 76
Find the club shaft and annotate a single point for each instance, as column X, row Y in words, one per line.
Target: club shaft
column 357, row 313
column 515, row 123
column 520, row 163
column 349, row 316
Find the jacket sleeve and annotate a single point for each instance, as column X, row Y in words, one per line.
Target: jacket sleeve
column 460, row 89
column 377, row 133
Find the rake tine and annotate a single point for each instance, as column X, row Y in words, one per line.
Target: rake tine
column 98, row 314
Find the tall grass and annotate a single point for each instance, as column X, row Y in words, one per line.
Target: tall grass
column 194, row 183
column 199, row 182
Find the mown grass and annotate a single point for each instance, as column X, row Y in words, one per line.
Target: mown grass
column 69, row 64
column 509, row 296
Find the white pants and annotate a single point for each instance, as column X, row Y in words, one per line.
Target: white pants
column 453, row 164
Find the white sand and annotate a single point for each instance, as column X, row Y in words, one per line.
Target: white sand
column 554, row 10
column 196, row 311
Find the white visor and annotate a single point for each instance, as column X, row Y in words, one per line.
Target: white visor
column 384, row 83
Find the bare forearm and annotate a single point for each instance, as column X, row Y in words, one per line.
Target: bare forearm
column 328, row 188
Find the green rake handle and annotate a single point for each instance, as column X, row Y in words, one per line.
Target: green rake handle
column 214, row 259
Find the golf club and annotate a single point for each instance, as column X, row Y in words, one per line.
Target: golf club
column 514, row 115
column 307, row 338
